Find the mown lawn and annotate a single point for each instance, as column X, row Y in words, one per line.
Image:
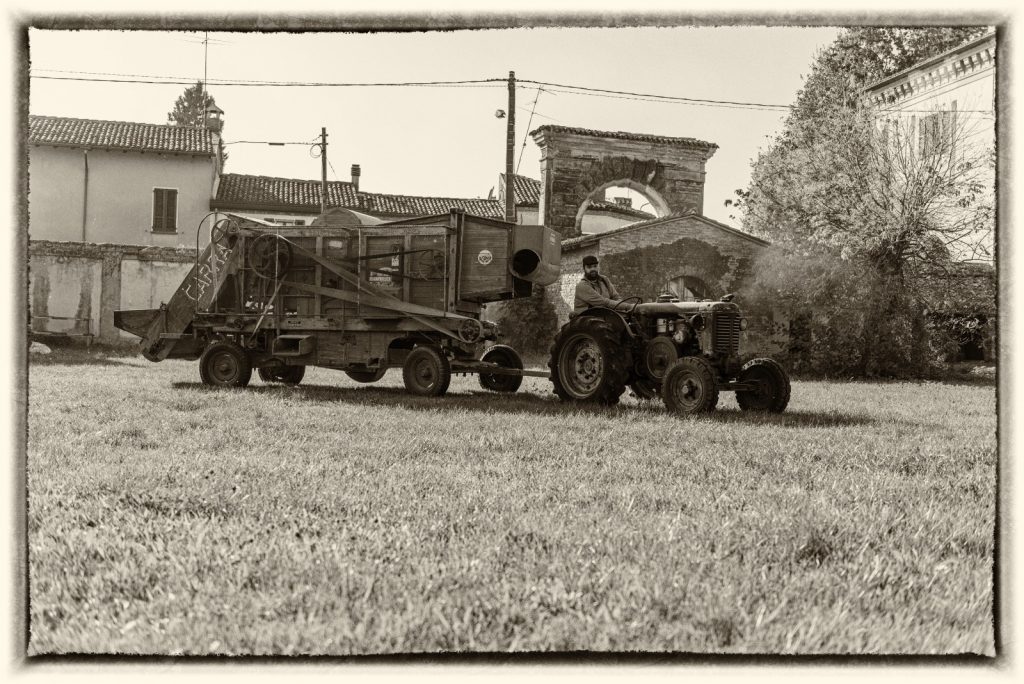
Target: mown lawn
column 336, row 518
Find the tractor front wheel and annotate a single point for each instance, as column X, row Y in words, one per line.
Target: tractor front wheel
column 427, row 372
column 506, row 357
column 772, row 386
column 288, row 375
column 225, row 364
column 690, row 386
column 588, row 362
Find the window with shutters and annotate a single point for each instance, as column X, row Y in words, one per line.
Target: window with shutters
column 937, row 133
column 165, row 210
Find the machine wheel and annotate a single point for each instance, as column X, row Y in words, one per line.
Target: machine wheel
column 588, row 362
column 772, row 393
column 690, row 386
column 506, row 357
column 225, row 364
column 427, row 372
column 645, row 389
column 367, row 376
column 289, row 375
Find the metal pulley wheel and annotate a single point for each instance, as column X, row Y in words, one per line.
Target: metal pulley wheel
column 226, row 227
column 270, row 256
column 470, row 330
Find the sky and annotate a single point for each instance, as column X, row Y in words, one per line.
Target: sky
column 439, row 141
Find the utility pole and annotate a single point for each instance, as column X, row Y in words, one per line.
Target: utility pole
column 510, row 150
column 323, row 170
column 206, row 42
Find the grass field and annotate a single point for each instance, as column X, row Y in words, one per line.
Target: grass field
column 335, row 518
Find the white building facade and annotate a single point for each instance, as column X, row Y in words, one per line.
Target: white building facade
column 948, row 103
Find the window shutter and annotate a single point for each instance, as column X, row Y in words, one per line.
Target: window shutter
column 165, row 208
column 172, row 211
column 158, row 210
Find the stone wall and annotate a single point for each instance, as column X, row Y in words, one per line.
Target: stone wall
column 75, row 287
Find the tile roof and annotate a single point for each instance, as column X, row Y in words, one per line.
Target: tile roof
column 240, row 191
column 616, row 208
column 427, row 206
column 623, row 135
column 526, row 190
column 582, row 240
column 122, row 135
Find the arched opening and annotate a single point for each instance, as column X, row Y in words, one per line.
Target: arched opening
column 688, row 288
column 618, row 203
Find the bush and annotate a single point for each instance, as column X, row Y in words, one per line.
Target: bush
column 528, row 324
column 845, row 320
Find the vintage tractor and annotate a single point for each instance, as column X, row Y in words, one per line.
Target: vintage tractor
column 684, row 352
column 351, row 293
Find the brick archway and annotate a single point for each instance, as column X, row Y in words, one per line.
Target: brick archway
column 657, row 202
column 578, row 163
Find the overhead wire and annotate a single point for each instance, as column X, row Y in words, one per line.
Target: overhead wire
column 548, row 87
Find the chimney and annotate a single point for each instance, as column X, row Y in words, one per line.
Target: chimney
column 355, row 176
column 214, row 118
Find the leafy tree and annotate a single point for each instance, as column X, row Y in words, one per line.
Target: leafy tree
column 840, row 183
column 190, row 107
column 190, row 110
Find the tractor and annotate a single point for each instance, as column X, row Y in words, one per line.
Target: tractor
column 686, row 352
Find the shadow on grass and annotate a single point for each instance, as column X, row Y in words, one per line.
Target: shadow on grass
column 528, row 403
column 77, row 358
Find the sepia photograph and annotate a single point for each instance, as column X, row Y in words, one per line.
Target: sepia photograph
column 531, row 338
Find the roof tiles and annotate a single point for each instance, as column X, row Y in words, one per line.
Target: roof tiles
column 623, row 135
column 122, row 135
column 239, row 191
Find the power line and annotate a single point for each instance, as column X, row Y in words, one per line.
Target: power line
column 650, row 96
column 528, row 124
column 552, row 88
column 267, row 142
column 178, row 80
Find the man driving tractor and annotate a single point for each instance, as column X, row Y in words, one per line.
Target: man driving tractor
column 594, row 289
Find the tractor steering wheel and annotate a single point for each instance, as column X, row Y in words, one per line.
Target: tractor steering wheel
column 639, row 301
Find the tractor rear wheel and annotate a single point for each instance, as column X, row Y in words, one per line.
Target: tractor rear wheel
column 588, row 362
column 367, row 376
column 772, row 393
column 225, row 364
column 506, row 357
column 427, row 372
column 690, row 386
column 289, row 375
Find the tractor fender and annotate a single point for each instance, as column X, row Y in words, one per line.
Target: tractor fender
column 610, row 316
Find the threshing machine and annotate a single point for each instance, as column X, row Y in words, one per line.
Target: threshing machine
column 350, row 295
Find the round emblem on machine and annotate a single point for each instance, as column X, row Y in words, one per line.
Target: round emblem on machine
column 485, row 257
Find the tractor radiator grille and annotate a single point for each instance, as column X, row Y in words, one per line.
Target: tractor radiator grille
column 725, row 333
